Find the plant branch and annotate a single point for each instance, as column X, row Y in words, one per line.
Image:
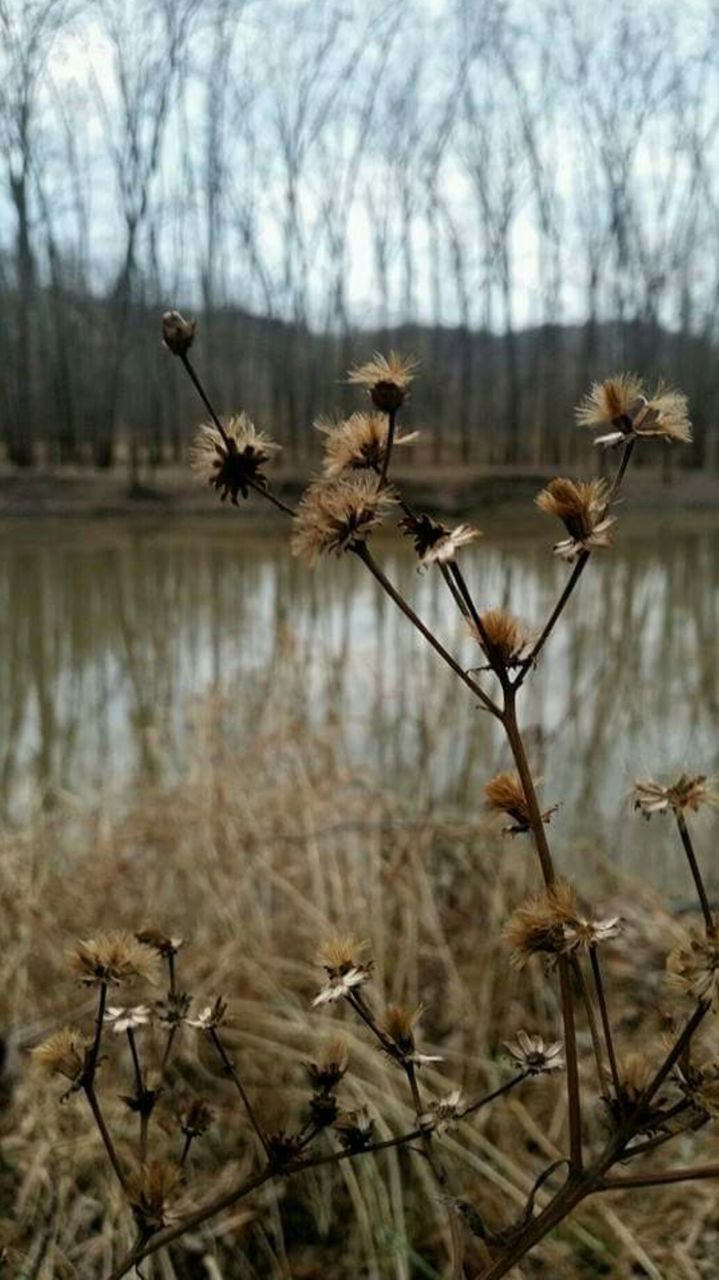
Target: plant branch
column 232, row 1072
column 696, row 873
column 604, row 1014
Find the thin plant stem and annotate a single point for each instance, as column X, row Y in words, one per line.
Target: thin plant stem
column 232, row 1072
column 168, row 1048
column 490, row 1097
column 141, row 1096
column 570, row 1049
column 367, row 558
column 99, row 1118
column 664, row 1177
column 696, row 873
column 186, row 1149
column 477, row 620
column 94, row 1054
column 592, row 1020
column 604, row 1014
column 392, row 420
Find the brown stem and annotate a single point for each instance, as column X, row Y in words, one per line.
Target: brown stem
column 592, row 1020
column 105, row 1134
column 141, row 1096
column 604, row 1013
column 168, row 1048
column 570, row 1049
column 367, row 558
column 92, row 1057
column 392, row 416
column 186, row 1149
column 696, row 873
column 231, row 1070
column 621, row 1183
column 514, row 736
column 497, row 666
column 490, row 1097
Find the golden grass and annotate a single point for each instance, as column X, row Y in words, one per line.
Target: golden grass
column 256, row 860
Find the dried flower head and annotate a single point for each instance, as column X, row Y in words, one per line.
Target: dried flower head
column 505, row 794
column 283, row 1147
column 195, row 1117
column 687, row 794
column 151, row 1190
column 442, row 1113
column 507, row 641
column 581, row 933
column 112, row 958
column 530, row 1054
column 63, row 1054
column 325, row 1074
column 693, row 968
column 341, row 959
column 354, row 1129
column 581, row 505
column 336, row 516
column 162, row 943
column 173, row 1009
column 387, row 379
column 700, row 1085
column 212, row 1016
column 621, row 403
column 178, row 334
column 127, row 1019
column 537, row 926
column 399, row 1025
column 232, row 464
column 358, row 443
column 445, row 547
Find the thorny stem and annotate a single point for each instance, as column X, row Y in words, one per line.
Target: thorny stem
column 696, row 873
column 392, row 419
column 604, row 1014
column 232, row 1072
column 361, row 550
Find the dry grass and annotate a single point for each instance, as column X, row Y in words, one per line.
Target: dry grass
column 256, row 860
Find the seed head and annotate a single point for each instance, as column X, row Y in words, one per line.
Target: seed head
column 581, row 505
column 537, row 926
column 341, row 959
column 530, row 1054
column 693, row 968
column 398, row 1023
column 173, row 1010
column 63, row 1054
column 150, row 1191
column 358, row 444
column 212, row 1016
column 507, row 641
column 232, row 463
column 325, row 1074
column 178, row 334
column 444, row 548
column 612, row 403
column 354, row 1129
column 387, row 379
column 621, row 403
column 701, row 1086
column 195, row 1118
column 686, row 795
column 505, row 794
column 336, row 516
column 442, row 1113
column 112, row 958
column 162, row 943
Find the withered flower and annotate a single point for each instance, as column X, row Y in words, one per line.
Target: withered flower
column 635, row 1075
column 112, row 958
column 581, row 505
column 195, row 1118
column 687, row 794
column 283, row 1147
column 358, row 443
column 386, row 378
column 507, row 641
column 127, row 1019
column 354, row 1129
column 173, row 1010
column 63, row 1054
column 326, row 1074
column 232, row 465
column 162, row 943
column 701, row 1086
column 530, row 1054
column 151, row 1190
column 581, row 934
column 399, row 1024
column 178, row 333
column 341, row 960
column 445, row 547
column 212, row 1016
column 537, row 926
column 621, row 403
column 324, row 1110
column 442, row 1113
column 693, row 968
column 505, row 794
column 337, row 515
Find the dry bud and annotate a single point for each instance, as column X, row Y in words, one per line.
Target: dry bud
column 621, row 403
column 386, row 378
column 112, row 958
column 63, row 1054
column 151, row 1190
column 341, row 960
column 178, row 333
column 212, row 1016
column 354, row 1129
column 162, row 943
column 195, row 1118
column 358, row 444
column 326, row 1074
column 505, row 794
column 232, row 463
column 336, row 516
column 581, row 505
column 507, row 641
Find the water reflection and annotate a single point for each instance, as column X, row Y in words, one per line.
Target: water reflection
column 107, row 634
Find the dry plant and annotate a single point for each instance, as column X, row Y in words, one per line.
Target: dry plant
column 648, row 1100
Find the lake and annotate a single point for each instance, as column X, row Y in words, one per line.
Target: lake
column 113, row 633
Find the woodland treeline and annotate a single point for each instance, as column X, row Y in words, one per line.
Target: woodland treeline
column 524, row 195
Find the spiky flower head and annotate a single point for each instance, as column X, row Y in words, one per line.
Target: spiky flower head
column 686, row 795
column 63, row 1054
column 151, row 1191
column 178, row 334
column 112, row 958
column 581, row 505
column 622, row 404
column 503, row 638
column 339, row 515
column 359, row 443
column 582, row 933
column 530, row 1054
column 162, row 943
column 386, row 378
column 346, row 970
column 232, row 462
column 326, row 1073
column 195, row 1117
column 354, row 1129
column 121, row 1020
column 442, row 1113
column 212, row 1016
column 693, row 968
column 537, row 925
column 444, row 549
column 505, row 794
